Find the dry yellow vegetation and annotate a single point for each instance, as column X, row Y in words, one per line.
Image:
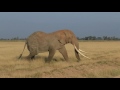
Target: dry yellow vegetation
column 104, row 62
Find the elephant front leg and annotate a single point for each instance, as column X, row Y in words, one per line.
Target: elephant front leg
column 77, row 55
column 51, row 54
column 63, row 51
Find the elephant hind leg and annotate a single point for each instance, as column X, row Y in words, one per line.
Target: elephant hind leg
column 33, row 52
column 63, row 51
column 51, row 54
column 31, row 56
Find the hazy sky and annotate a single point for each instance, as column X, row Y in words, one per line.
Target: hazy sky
column 22, row 24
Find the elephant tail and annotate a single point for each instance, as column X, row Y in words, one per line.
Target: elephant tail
column 79, row 51
column 23, row 50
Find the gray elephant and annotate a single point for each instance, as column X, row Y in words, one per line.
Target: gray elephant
column 39, row 42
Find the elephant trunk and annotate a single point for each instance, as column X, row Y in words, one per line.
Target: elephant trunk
column 75, row 43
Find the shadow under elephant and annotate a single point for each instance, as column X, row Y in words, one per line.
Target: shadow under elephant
column 41, row 58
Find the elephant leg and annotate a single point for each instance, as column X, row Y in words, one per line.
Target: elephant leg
column 63, row 51
column 31, row 56
column 77, row 55
column 33, row 52
column 51, row 54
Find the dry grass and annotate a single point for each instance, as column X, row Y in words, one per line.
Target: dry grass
column 104, row 62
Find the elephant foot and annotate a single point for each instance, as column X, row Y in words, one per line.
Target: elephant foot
column 33, row 57
column 47, row 61
column 78, row 60
column 67, row 60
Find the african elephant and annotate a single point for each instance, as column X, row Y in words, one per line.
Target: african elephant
column 39, row 42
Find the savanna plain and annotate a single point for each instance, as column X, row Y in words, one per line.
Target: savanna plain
column 104, row 62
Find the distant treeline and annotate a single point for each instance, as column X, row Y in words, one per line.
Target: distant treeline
column 15, row 38
column 84, row 38
column 98, row 38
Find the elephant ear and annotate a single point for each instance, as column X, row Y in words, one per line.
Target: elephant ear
column 62, row 38
column 62, row 41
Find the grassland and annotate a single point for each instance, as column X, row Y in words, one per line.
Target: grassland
column 104, row 62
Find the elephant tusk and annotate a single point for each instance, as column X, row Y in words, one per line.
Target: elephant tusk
column 84, row 55
column 80, row 52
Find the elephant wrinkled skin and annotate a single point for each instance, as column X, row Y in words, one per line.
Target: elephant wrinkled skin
column 39, row 42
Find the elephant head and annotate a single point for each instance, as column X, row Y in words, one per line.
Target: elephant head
column 67, row 36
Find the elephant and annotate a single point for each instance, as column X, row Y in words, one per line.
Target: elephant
column 39, row 42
